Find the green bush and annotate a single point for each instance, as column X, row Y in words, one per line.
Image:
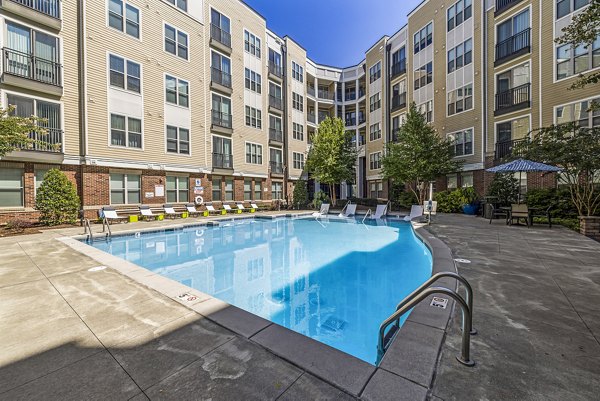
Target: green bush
column 57, row 199
column 363, row 201
column 320, row 198
column 448, row 201
column 467, row 195
column 505, row 187
column 559, row 200
column 300, row 194
column 406, row 199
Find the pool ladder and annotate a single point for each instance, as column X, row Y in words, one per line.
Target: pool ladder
column 88, row 230
column 418, row 295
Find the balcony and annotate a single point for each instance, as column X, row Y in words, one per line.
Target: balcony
column 275, row 102
column 221, row 122
column 275, row 71
column 46, row 12
column 350, row 96
column 322, row 117
column 513, row 99
column 311, row 118
column 513, row 47
column 361, row 118
column 350, row 122
column 398, row 101
column 503, row 5
column 276, row 168
column 311, row 91
column 222, row 160
column 325, row 95
column 399, row 68
column 504, row 149
column 275, row 135
column 361, row 92
column 220, row 39
column 31, row 72
column 220, row 80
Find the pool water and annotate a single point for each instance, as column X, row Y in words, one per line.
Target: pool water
column 334, row 281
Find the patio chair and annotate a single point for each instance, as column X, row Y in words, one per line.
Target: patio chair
column 380, row 212
column 170, row 211
column 146, row 212
column 495, row 212
column 415, row 211
column 227, row 208
column 543, row 214
column 192, row 211
column 110, row 214
column 323, row 211
column 211, row 210
column 349, row 211
column 241, row 208
column 519, row 211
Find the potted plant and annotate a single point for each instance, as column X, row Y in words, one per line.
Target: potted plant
column 469, row 200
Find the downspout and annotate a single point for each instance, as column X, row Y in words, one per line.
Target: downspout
column 388, row 109
column 484, row 92
column 285, row 121
column 82, row 99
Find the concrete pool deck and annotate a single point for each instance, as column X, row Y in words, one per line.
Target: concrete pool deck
column 71, row 333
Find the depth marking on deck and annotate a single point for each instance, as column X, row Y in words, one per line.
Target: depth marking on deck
column 187, row 297
column 466, row 261
column 96, row 269
column 439, row 302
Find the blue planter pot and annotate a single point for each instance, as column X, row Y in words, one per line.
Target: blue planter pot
column 470, row 209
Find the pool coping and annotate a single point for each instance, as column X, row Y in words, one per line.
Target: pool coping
column 409, row 363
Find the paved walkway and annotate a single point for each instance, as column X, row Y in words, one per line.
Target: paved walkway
column 537, row 310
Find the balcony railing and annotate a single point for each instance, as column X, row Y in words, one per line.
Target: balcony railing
column 399, row 101
column 31, row 67
column 276, row 167
column 516, row 44
column 399, row 68
column 350, row 96
column 502, row 5
column 220, row 35
column 350, row 121
column 361, row 118
column 504, row 149
column 222, row 160
column 275, row 134
column 311, row 91
column 275, row 69
column 49, row 7
column 276, row 102
column 311, row 118
column 220, row 77
column 49, row 141
column 513, row 99
column 221, row 119
column 325, row 95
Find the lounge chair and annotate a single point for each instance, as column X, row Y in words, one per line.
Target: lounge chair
column 256, row 207
column 519, row 211
column 227, row 208
column 349, row 210
column 170, row 211
column 191, row 209
column 211, row 209
column 380, row 212
column 241, row 208
column 146, row 212
column 415, row 211
column 110, row 213
column 323, row 211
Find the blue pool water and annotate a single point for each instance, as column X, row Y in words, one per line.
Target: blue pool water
column 333, row 281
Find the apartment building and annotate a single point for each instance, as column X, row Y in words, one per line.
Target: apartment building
column 163, row 101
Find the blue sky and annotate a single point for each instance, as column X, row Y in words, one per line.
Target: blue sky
column 352, row 25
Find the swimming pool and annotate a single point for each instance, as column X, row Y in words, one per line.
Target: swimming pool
column 334, row 281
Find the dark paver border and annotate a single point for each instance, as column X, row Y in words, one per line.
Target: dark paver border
column 344, row 371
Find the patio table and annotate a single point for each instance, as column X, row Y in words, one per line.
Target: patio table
column 530, row 211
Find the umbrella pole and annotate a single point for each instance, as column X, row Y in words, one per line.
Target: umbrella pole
column 519, row 200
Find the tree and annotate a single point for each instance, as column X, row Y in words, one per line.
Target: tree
column 577, row 151
column 300, row 193
column 57, row 199
column 505, row 187
column 15, row 131
column 332, row 158
column 584, row 29
column 420, row 155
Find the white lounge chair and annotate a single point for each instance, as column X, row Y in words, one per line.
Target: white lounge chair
column 349, row 210
column 109, row 213
column 146, row 212
column 170, row 211
column 241, row 207
column 415, row 211
column 323, row 211
column 227, row 208
column 191, row 209
column 380, row 212
column 254, row 208
column 211, row 209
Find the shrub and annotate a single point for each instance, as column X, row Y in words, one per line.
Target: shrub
column 405, row 199
column 448, row 201
column 57, row 199
column 300, row 194
column 559, row 199
column 467, row 195
column 320, row 198
column 363, row 201
column 18, row 225
column 505, row 187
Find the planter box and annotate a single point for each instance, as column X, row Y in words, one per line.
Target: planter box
column 133, row 219
column 205, row 213
column 590, row 226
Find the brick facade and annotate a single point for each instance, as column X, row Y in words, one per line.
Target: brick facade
column 590, row 227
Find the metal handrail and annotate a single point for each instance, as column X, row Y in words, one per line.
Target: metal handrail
column 366, row 215
column 106, row 223
column 464, row 356
column 87, row 229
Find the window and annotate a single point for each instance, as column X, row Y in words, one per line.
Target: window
column 573, row 60
column 176, row 42
column 375, row 161
column 399, row 61
column 458, row 13
column 375, row 72
column 513, row 35
column 181, row 4
column 228, row 189
column 125, row 74
column 125, row 131
column 253, row 117
column 423, row 38
column 11, row 187
column 424, row 75
column 298, row 131
column 565, row 7
column 253, row 153
column 376, row 188
column 375, row 132
column 297, row 102
column 427, row 110
column 257, row 189
column 132, row 17
column 460, row 56
column 216, row 189
column 177, row 189
column 297, row 72
column 253, row 81
column 275, row 90
column 298, row 159
column 580, row 113
column 277, row 190
column 220, row 69
column 247, row 189
column 222, row 152
column 460, row 100
column 251, row 44
column 177, row 91
column 125, row 189
column 463, row 142
column 452, row 181
column 178, row 140
column 466, row 179
column 50, row 112
column 275, row 61
column 221, row 111
column 374, row 102
column 39, row 177
column 220, row 27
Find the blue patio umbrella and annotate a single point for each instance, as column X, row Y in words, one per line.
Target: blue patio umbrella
column 523, row 166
